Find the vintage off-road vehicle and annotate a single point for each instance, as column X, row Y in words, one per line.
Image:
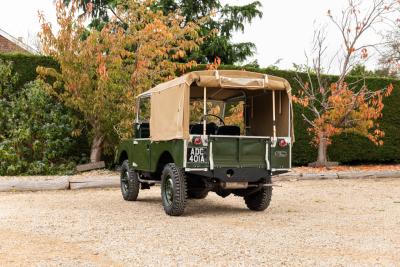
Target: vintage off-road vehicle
column 186, row 139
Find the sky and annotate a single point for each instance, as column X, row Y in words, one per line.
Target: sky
column 283, row 33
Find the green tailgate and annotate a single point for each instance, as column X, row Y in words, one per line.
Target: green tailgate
column 239, row 152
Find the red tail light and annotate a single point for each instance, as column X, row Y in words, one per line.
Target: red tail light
column 197, row 140
column 282, row 143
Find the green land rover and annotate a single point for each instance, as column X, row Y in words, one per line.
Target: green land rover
column 225, row 131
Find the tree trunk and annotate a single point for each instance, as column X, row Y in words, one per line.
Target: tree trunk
column 96, row 149
column 322, row 160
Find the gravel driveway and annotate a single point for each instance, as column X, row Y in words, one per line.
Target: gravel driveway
column 328, row 223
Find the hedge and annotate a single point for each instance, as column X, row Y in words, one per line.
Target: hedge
column 346, row 148
column 25, row 65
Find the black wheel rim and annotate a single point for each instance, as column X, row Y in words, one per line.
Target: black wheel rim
column 124, row 181
column 168, row 190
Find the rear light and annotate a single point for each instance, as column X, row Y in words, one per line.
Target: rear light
column 283, row 143
column 197, row 140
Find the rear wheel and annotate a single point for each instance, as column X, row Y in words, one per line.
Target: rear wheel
column 129, row 182
column 173, row 190
column 259, row 200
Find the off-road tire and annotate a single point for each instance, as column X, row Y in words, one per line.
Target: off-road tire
column 129, row 182
column 197, row 194
column 261, row 199
column 173, row 178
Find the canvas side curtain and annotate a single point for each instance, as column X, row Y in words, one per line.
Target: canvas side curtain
column 169, row 113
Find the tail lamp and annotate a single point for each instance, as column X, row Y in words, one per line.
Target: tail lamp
column 283, row 143
column 197, row 140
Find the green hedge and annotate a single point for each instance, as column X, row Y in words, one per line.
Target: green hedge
column 36, row 124
column 25, row 65
column 346, row 148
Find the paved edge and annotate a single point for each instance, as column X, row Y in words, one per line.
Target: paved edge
column 75, row 183
column 337, row 175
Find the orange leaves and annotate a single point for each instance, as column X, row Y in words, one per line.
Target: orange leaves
column 344, row 109
column 215, row 64
column 161, row 42
column 301, row 101
column 389, row 90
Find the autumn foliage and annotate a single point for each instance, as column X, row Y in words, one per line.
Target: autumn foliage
column 345, row 110
column 338, row 107
column 101, row 72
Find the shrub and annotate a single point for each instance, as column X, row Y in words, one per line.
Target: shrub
column 35, row 135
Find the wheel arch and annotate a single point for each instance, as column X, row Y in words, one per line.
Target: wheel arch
column 164, row 158
column 123, row 155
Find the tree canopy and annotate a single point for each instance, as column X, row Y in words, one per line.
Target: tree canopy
column 224, row 21
column 102, row 70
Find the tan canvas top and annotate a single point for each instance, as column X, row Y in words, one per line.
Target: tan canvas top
column 225, row 79
column 169, row 118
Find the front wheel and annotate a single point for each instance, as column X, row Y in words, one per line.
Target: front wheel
column 173, row 190
column 129, row 182
column 259, row 200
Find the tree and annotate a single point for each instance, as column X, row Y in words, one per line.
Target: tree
column 336, row 107
column 390, row 57
column 361, row 71
column 219, row 29
column 102, row 71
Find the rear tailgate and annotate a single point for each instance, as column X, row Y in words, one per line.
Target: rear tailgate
column 240, row 152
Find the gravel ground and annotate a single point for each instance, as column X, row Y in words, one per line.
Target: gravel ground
column 325, row 222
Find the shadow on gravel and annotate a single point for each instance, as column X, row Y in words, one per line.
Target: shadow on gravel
column 201, row 207
column 210, row 208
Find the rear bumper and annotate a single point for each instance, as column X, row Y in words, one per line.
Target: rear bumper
column 234, row 174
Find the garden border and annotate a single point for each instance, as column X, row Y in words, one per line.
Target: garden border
column 75, row 183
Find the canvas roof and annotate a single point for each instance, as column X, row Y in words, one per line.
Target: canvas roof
column 232, row 79
column 169, row 112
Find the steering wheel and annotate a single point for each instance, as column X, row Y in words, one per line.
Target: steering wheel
column 212, row 115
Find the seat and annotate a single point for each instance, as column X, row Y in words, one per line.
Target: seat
column 144, row 130
column 228, row 130
column 198, row 128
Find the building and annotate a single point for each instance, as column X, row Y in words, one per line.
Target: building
column 10, row 44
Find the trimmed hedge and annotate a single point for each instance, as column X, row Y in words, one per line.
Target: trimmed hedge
column 346, row 148
column 25, row 65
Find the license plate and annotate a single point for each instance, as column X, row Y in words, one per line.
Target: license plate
column 197, row 155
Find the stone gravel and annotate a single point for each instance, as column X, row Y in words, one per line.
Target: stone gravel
column 324, row 222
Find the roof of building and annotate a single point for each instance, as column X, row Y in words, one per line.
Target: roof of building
column 17, row 42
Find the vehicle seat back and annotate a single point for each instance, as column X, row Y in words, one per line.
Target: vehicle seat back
column 228, row 130
column 198, row 128
column 144, row 130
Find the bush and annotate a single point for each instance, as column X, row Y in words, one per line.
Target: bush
column 36, row 129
